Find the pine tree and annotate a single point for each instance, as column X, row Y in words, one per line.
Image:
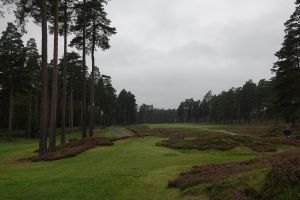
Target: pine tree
column 287, row 69
column 79, row 28
column 53, row 109
column 12, row 71
column 38, row 10
column 99, row 31
column 92, row 22
column 32, row 66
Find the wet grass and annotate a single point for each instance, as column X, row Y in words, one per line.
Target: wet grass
column 131, row 169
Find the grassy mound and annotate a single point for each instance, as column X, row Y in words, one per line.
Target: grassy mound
column 274, row 178
column 219, row 141
column 73, row 148
column 215, row 172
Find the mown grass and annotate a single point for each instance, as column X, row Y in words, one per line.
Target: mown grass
column 190, row 125
column 131, row 169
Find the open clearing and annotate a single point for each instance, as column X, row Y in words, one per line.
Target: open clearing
column 135, row 168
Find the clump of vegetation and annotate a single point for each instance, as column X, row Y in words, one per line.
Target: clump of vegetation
column 73, row 148
column 215, row 172
column 244, row 187
column 273, row 178
column 219, row 141
column 284, row 178
column 289, row 141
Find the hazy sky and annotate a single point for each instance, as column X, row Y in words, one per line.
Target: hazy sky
column 168, row 50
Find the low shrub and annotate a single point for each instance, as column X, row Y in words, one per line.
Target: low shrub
column 219, row 141
column 73, row 148
column 215, row 172
column 276, row 177
column 284, row 177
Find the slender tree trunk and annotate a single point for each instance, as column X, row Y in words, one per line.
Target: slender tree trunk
column 72, row 108
column 63, row 123
column 29, row 117
column 69, row 118
column 44, row 87
column 84, row 113
column 11, row 110
column 92, row 86
column 52, row 139
column 36, row 112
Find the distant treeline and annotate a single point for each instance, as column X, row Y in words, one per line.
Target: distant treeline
column 149, row 114
column 250, row 103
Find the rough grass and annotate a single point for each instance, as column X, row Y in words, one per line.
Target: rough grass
column 219, row 141
column 216, row 172
column 271, row 178
column 284, row 179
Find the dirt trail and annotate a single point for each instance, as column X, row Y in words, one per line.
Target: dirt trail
column 117, row 133
column 220, row 131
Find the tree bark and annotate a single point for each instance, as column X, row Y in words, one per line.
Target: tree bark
column 69, row 113
column 44, row 87
column 52, row 139
column 29, row 117
column 72, row 109
column 84, row 120
column 11, row 110
column 63, row 123
column 92, row 86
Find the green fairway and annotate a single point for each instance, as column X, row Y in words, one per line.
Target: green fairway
column 186, row 125
column 131, row 169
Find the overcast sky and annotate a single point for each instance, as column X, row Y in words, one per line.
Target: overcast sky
column 168, row 50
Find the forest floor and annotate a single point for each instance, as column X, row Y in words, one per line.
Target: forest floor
column 132, row 169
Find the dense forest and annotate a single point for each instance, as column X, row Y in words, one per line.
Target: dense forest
column 38, row 96
column 250, row 103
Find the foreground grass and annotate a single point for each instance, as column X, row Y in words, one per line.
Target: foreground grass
column 131, row 169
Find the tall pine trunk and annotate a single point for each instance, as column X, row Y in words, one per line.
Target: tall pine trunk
column 44, row 87
column 72, row 109
column 92, row 86
column 11, row 110
column 52, row 139
column 29, row 116
column 84, row 120
column 63, row 121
